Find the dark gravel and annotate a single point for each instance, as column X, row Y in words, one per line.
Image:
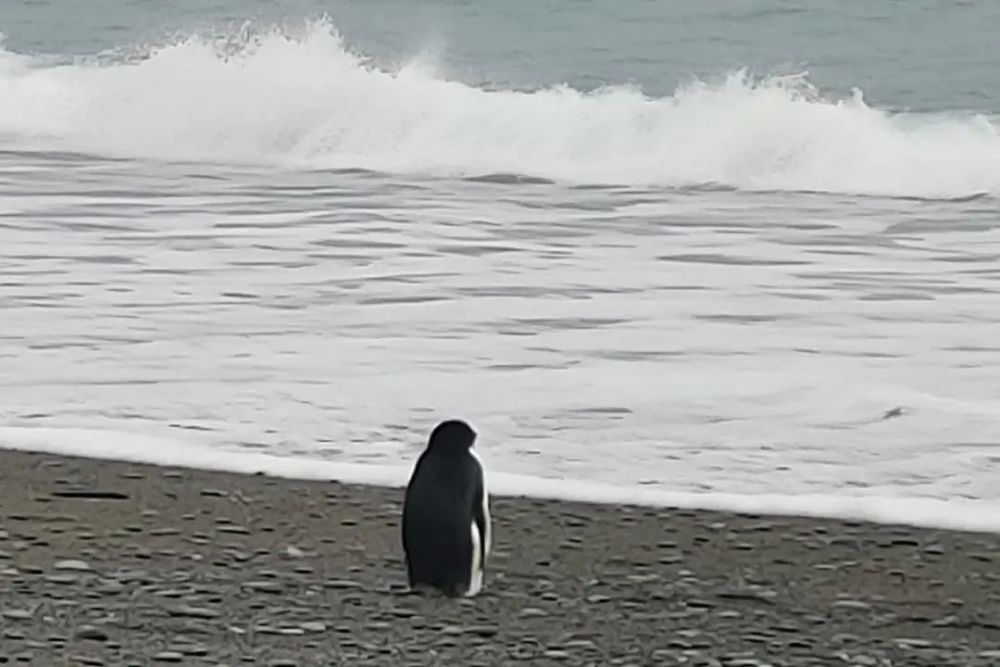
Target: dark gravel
column 119, row 564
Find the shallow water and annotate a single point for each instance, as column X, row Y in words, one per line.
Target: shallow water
column 269, row 242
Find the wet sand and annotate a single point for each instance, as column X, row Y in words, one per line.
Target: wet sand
column 105, row 563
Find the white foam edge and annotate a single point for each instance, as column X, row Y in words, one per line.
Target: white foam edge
column 952, row 514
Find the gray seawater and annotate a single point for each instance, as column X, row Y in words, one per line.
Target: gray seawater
column 744, row 247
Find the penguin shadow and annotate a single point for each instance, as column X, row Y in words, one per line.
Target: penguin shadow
column 496, row 583
column 426, row 591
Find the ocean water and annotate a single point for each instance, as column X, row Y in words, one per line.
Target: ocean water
column 731, row 254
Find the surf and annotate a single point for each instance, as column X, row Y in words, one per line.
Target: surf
column 301, row 99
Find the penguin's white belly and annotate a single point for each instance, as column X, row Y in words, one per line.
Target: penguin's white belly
column 476, row 576
column 486, row 504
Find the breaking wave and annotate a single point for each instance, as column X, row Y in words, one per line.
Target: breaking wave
column 301, row 99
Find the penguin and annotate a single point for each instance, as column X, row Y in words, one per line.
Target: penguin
column 446, row 515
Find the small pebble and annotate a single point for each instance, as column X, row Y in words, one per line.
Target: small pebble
column 852, row 604
column 73, row 565
column 265, row 587
column 194, row 612
column 313, row 626
column 168, row 656
column 16, row 614
column 91, row 633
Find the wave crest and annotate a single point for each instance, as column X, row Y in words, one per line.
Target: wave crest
column 301, row 99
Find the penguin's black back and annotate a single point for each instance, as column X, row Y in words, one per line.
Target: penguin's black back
column 439, row 510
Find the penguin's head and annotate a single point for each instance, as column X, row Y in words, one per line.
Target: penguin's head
column 453, row 435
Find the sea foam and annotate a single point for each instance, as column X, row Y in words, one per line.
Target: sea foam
column 304, row 100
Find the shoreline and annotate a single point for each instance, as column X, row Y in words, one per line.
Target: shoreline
column 962, row 514
column 164, row 564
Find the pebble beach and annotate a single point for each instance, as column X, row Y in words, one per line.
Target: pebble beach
column 109, row 563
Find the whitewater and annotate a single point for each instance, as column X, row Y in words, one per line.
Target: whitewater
column 305, row 101
column 264, row 250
